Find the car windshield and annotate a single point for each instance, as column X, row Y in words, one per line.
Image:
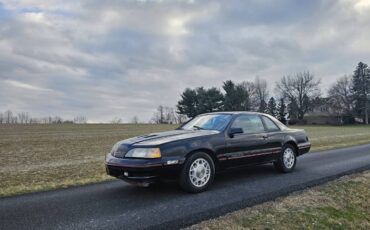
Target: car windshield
column 208, row 122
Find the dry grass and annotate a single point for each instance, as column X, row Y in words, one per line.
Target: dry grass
column 341, row 204
column 41, row 157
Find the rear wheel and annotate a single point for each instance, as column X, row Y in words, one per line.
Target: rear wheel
column 287, row 159
column 197, row 173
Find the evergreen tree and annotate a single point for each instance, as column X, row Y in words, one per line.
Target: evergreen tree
column 236, row 97
column 242, row 95
column 229, row 102
column 293, row 110
column 263, row 107
column 282, row 113
column 200, row 100
column 215, row 100
column 188, row 103
column 271, row 107
column 209, row 100
column 306, row 105
column 361, row 89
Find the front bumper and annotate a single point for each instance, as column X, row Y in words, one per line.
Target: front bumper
column 143, row 170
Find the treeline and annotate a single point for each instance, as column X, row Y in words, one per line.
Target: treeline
column 8, row 117
column 252, row 96
column 167, row 115
column 297, row 95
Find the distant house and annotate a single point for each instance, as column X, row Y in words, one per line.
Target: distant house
column 322, row 114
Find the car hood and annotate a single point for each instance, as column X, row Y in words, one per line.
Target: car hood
column 165, row 137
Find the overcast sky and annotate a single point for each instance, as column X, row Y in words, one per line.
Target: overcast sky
column 106, row 59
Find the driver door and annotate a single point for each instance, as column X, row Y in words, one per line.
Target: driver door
column 244, row 148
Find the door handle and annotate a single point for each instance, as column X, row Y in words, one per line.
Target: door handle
column 265, row 137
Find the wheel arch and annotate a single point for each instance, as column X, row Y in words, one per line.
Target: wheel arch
column 209, row 152
column 294, row 144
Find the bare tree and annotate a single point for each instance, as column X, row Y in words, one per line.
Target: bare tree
column 20, row 118
column 34, row 120
column 1, row 118
column 252, row 93
column 341, row 96
column 170, row 115
column 57, row 120
column 44, row 120
column 159, row 115
column 8, row 116
column 26, row 117
column 300, row 88
column 135, row 120
column 164, row 115
column 261, row 93
column 23, row 117
column 116, row 120
column 180, row 118
column 14, row 120
column 80, row 120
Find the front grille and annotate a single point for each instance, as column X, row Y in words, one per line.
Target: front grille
column 119, row 172
column 115, row 171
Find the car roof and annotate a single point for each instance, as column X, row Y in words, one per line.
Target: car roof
column 236, row 112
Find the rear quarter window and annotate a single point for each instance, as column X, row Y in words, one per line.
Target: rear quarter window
column 270, row 125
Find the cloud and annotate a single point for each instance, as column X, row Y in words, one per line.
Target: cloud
column 124, row 58
column 25, row 86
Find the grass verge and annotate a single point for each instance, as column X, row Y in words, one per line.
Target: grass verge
column 340, row 204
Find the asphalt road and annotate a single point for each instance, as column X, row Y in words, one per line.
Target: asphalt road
column 116, row 205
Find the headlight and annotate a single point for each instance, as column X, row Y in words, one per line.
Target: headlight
column 144, row 153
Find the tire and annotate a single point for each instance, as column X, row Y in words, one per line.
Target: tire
column 197, row 173
column 290, row 155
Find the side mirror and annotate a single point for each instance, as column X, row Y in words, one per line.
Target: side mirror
column 234, row 131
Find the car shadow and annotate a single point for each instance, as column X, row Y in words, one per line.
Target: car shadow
column 171, row 189
column 121, row 197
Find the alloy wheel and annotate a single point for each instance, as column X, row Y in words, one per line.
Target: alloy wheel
column 200, row 172
column 288, row 158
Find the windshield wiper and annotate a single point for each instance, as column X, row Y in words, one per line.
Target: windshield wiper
column 199, row 128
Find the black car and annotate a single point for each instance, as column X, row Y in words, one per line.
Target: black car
column 206, row 144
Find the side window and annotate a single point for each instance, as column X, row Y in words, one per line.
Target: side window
column 270, row 125
column 249, row 124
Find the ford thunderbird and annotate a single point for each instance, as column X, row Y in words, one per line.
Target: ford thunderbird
column 193, row 153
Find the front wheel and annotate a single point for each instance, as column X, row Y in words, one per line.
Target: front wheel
column 197, row 173
column 287, row 159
